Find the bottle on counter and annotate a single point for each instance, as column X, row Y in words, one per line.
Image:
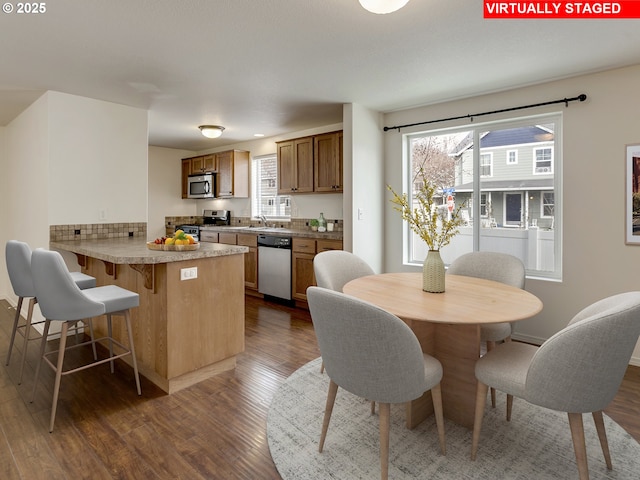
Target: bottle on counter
column 322, row 223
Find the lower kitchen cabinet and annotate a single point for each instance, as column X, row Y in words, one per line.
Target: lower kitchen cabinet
column 250, row 258
column 304, row 251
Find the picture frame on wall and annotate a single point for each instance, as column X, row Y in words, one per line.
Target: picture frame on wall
column 632, row 210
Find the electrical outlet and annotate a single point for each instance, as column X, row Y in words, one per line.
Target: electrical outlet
column 360, row 214
column 188, row 273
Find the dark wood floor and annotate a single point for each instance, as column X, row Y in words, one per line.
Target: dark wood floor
column 213, row 430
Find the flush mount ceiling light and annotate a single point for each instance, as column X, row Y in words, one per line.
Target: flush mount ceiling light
column 211, row 131
column 383, row 6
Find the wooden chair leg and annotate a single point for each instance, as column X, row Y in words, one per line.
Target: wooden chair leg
column 59, row 365
column 331, row 398
column 436, row 396
column 491, row 346
column 481, row 401
column 385, row 419
column 16, row 320
column 322, row 367
column 579, row 447
column 602, row 436
column 509, row 407
column 43, row 344
column 27, row 331
column 373, row 408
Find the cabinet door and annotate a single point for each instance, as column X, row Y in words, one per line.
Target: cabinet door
column 197, row 165
column 186, row 171
column 233, row 174
column 250, row 260
column 209, row 163
column 286, row 170
column 324, row 245
column 327, row 151
column 225, row 174
column 301, row 274
column 303, row 153
column 227, row 238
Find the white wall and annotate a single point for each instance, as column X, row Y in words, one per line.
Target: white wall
column 97, row 161
column 77, row 156
column 4, row 210
column 165, row 189
column 364, row 184
column 596, row 261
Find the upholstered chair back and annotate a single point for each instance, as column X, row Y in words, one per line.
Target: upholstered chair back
column 335, row 268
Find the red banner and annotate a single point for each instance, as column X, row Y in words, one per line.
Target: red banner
column 561, row 9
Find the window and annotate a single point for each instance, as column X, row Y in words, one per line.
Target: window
column 265, row 199
column 547, row 204
column 511, row 206
column 486, row 165
column 543, row 160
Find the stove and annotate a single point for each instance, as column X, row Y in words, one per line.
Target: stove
column 216, row 217
column 192, row 230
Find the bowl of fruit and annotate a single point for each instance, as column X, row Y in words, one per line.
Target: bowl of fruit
column 180, row 242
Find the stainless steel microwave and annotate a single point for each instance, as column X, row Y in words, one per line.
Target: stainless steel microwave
column 202, row 186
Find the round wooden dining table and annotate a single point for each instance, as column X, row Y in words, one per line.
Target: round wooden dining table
column 447, row 326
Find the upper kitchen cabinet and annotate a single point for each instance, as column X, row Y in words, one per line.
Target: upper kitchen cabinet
column 327, row 162
column 295, row 166
column 310, row 164
column 195, row 165
column 233, row 174
column 205, row 163
column 232, row 169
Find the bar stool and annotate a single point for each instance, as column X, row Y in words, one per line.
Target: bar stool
column 18, row 257
column 62, row 300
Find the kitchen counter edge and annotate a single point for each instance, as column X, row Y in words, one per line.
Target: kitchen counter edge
column 285, row 232
column 127, row 251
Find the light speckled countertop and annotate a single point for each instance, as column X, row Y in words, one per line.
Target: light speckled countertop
column 285, row 232
column 134, row 251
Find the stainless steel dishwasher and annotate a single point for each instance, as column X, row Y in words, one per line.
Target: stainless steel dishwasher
column 274, row 266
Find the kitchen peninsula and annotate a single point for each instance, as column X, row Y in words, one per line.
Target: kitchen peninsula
column 184, row 330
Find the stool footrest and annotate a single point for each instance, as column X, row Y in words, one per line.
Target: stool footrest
column 95, row 363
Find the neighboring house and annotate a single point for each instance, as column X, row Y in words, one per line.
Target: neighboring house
column 516, row 176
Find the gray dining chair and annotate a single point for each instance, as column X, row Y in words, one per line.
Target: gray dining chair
column 374, row 355
column 60, row 299
column 578, row 370
column 333, row 269
column 18, row 259
column 499, row 267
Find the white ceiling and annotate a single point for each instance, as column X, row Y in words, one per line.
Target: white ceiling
column 276, row 66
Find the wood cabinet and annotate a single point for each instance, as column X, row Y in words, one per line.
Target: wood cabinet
column 311, row 164
column 295, row 166
column 303, row 252
column 232, row 168
column 233, row 174
column 327, row 162
column 250, row 258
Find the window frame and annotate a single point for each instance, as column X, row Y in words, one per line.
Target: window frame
column 477, row 131
column 256, row 196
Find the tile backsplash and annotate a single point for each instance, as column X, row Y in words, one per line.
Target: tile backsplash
column 294, row 223
column 97, row 231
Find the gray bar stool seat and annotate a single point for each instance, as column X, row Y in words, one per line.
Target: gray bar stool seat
column 61, row 300
column 18, row 257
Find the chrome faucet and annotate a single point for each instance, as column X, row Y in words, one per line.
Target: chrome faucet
column 263, row 219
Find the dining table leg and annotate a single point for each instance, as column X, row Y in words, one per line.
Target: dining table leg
column 457, row 347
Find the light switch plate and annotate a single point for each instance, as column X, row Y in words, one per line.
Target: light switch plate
column 188, row 273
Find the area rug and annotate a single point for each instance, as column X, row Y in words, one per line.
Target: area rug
column 535, row 445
